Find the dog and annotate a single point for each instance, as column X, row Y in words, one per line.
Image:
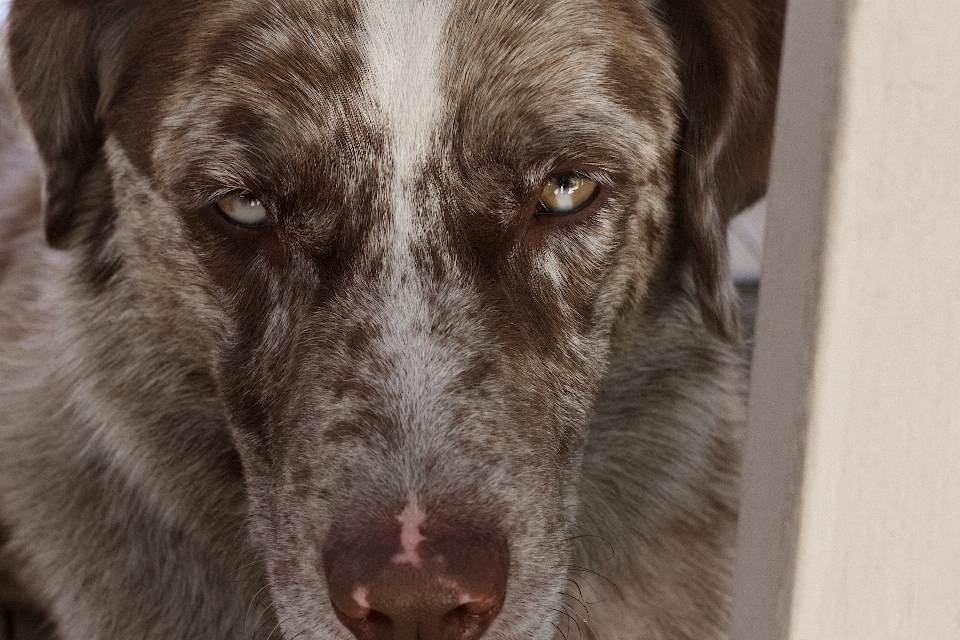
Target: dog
column 333, row 319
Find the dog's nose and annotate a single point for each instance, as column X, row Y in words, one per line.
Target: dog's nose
column 432, row 582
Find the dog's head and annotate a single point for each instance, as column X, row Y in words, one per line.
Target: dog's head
column 398, row 239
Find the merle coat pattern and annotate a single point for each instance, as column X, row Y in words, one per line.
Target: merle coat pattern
column 208, row 429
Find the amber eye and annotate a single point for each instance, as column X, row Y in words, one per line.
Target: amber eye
column 566, row 193
column 243, row 209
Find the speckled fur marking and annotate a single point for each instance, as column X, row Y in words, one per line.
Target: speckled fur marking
column 191, row 412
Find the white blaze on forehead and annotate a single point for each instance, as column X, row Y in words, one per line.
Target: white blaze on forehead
column 402, row 49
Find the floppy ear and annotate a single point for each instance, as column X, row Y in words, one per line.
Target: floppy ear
column 728, row 53
column 58, row 60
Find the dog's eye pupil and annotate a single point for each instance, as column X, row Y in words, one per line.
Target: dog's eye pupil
column 243, row 209
column 566, row 193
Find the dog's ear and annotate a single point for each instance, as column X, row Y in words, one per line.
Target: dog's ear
column 728, row 54
column 62, row 54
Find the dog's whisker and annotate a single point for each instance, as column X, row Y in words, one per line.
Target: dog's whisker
column 581, row 594
column 279, row 624
column 598, row 575
column 254, row 598
column 247, row 565
column 586, row 610
column 268, row 609
column 587, row 603
column 592, row 536
column 586, row 575
column 583, row 619
column 577, row 585
column 559, row 630
column 570, row 619
column 246, row 539
column 251, row 516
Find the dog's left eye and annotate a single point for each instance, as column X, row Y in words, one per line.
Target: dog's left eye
column 566, row 193
column 243, row 209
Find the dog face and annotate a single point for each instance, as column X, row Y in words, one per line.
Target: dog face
column 394, row 242
column 409, row 329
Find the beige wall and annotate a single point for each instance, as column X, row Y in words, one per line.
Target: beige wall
column 851, row 506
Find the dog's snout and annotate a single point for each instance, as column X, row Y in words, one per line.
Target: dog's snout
column 427, row 581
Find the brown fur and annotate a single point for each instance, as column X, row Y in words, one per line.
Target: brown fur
column 191, row 411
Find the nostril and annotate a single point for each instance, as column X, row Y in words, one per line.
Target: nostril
column 463, row 612
column 478, row 607
column 372, row 626
column 465, row 621
column 472, row 619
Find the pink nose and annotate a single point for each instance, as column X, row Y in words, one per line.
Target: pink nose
column 433, row 583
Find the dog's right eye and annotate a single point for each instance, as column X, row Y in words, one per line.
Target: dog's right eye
column 566, row 193
column 243, row 209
